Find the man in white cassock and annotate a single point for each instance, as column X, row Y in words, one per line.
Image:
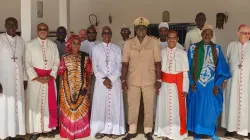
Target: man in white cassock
column 12, row 82
column 42, row 61
column 194, row 35
column 163, row 33
column 171, row 107
column 107, row 114
column 236, row 107
column 87, row 45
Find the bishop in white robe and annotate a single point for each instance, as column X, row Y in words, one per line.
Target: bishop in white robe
column 12, row 77
column 42, row 61
column 236, row 107
column 107, row 114
column 171, row 107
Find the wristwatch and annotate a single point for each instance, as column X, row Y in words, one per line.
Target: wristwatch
column 159, row 80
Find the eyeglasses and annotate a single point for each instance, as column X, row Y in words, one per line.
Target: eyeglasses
column 245, row 33
column 42, row 29
column 106, row 33
column 173, row 38
column 125, row 32
column 91, row 33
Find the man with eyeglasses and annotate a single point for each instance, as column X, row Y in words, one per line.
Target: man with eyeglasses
column 236, row 108
column 171, row 106
column 13, row 82
column 141, row 75
column 107, row 114
column 87, row 45
column 125, row 33
column 42, row 61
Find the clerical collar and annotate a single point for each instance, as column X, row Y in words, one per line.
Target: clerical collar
column 42, row 40
column 243, row 44
column 105, row 44
column 172, row 48
column 10, row 37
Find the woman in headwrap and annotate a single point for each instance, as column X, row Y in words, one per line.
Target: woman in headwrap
column 75, row 81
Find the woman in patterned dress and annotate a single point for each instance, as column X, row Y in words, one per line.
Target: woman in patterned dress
column 75, row 81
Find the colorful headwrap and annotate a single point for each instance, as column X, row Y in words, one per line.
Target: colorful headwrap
column 69, row 41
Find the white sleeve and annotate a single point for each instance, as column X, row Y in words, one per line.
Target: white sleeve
column 98, row 74
column 28, row 63
column 185, row 74
column 56, row 62
column 117, row 72
column 187, row 41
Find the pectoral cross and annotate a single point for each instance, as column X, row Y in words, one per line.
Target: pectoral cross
column 14, row 58
column 240, row 65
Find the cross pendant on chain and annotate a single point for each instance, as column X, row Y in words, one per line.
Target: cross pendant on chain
column 45, row 60
column 14, row 58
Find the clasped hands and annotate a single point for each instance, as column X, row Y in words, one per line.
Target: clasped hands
column 43, row 79
column 215, row 90
column 107, row 82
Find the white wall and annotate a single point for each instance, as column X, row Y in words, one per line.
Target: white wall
column 125, row 11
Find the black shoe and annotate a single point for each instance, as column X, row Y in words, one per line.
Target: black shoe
column 129, row 136
column 229, row 135
column 165, row 138
column 149, row 136
column 16, row 138
column 51, row 134
column 34, row 136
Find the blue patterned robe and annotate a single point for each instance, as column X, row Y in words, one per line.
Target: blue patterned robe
column 203, row 106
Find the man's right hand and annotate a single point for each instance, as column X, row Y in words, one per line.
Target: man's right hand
column 1, row 89
column 124, row 87
column 193, row 87
column 40, row 79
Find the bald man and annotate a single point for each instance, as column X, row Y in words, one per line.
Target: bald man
column 82, row 34
column 107, row 114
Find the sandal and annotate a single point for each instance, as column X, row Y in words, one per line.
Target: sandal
column 99, row 136
column 115, row 136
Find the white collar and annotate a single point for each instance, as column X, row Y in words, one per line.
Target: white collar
column 10, row 37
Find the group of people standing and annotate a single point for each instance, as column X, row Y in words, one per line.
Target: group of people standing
column 85, row 87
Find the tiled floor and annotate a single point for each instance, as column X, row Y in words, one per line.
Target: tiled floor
column 141, row 137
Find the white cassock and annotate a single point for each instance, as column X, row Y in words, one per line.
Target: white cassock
column 236, row 107
column 37, row 113
column 194, row 36
column 12, row 75
column 162, row 46
column 87, row 46
column 107, row 114
column 167, row 122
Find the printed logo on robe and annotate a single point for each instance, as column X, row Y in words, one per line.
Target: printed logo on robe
column 192, row 51
column 207, row 74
